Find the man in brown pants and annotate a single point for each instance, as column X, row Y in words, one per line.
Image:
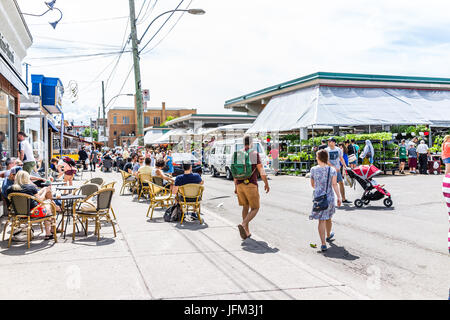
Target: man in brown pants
column 247, row 191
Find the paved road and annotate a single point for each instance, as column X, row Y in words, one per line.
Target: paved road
column 400, row 252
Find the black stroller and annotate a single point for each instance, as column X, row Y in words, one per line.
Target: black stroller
column 120, row 163
column 107, row 165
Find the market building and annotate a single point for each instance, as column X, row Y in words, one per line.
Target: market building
column 122, row 124
column 296, row 115
column 342, row 99
column 15, row 39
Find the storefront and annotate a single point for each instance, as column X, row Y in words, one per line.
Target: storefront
column 15, row 39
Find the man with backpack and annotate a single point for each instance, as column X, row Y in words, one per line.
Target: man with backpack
column 245, row 167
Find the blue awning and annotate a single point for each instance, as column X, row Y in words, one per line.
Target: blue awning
column 52, row 126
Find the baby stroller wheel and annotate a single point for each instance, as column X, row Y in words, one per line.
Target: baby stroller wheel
column 388, row 202
column 366, row 201
column 358, row 203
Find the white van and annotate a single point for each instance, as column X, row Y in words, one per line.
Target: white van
column 219, row 158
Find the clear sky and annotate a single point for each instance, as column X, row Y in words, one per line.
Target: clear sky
column 235, row 48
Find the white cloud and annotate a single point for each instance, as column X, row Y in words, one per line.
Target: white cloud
column 241, row 46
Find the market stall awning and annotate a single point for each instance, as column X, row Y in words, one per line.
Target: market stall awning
column 52, row 126
column 341, row 106
column 151, row 136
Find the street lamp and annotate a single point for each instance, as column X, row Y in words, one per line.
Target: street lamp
column 50, row 5
column 136, row 62
column 122, row 94
column 197, row 12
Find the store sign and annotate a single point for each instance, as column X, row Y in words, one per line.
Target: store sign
column 6, row 49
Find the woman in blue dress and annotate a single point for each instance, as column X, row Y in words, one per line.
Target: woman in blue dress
column 169, row 162
column 321, row 176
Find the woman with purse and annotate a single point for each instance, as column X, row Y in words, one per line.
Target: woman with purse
column 324, row 181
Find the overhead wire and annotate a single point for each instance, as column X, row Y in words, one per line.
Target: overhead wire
column 140, row 11
column 81, row 21
column 78, row 56
column 168, row 18
column 165, row 36
column 148, row 12
column 121, row 89
column 125, row 41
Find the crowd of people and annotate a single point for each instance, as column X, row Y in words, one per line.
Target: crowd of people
column 327, row 178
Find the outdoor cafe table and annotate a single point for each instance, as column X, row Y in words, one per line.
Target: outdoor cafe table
column 67, row 206
column 66, row 188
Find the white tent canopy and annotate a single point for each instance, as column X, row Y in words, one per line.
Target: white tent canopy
column 150, row 136
column 343, row 106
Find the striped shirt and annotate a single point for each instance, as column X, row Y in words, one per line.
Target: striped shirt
column 446, row 192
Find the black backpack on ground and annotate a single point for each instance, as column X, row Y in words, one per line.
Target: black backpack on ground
column 173, row 213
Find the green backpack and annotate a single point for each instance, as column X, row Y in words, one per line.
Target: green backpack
column 241, row 166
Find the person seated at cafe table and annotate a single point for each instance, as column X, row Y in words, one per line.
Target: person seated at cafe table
column 23, row 184
column 158, row 172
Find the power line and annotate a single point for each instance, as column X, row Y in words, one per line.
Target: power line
column 79, row 55
column 162, row 39
column 123, row 85
column 168, row 18
column 75, row 41
column 82, row 21
column 140, row 11
column 125, row 41
column 148, row 12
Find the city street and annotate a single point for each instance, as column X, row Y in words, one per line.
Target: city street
column 403, row 247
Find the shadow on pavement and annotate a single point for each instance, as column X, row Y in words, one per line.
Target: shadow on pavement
column 192, row 226
column 336, row 252
column 156, row 220
column 368, row 208
column 259, row 247
column 91, row 240
column 20, row 248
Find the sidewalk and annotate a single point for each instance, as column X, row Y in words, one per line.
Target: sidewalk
column 159, row 260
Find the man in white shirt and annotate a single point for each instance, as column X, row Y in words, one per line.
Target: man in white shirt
column 422, row 151
column 26, row 152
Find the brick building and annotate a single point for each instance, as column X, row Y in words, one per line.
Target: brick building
column 122, row 121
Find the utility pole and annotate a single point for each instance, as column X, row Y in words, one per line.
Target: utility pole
column 104, row 109
column 90, row 129
column 137, row 75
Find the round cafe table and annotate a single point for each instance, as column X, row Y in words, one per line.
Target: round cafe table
column 66, row 210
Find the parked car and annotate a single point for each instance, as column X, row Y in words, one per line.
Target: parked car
column 219, row 157
column 180, row 158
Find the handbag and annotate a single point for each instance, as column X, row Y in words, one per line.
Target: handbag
column 39, row 212
column 352, row 158
column 321, row 203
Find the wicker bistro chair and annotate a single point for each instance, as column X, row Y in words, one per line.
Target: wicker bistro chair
column 160, row 182
column 144, row 181
column 190, row 196
column 86, row 210
column 98, row 181
column 127, row 182
column 159, row 198
column 110, row 185
column 87, row 189
column 21, row 214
